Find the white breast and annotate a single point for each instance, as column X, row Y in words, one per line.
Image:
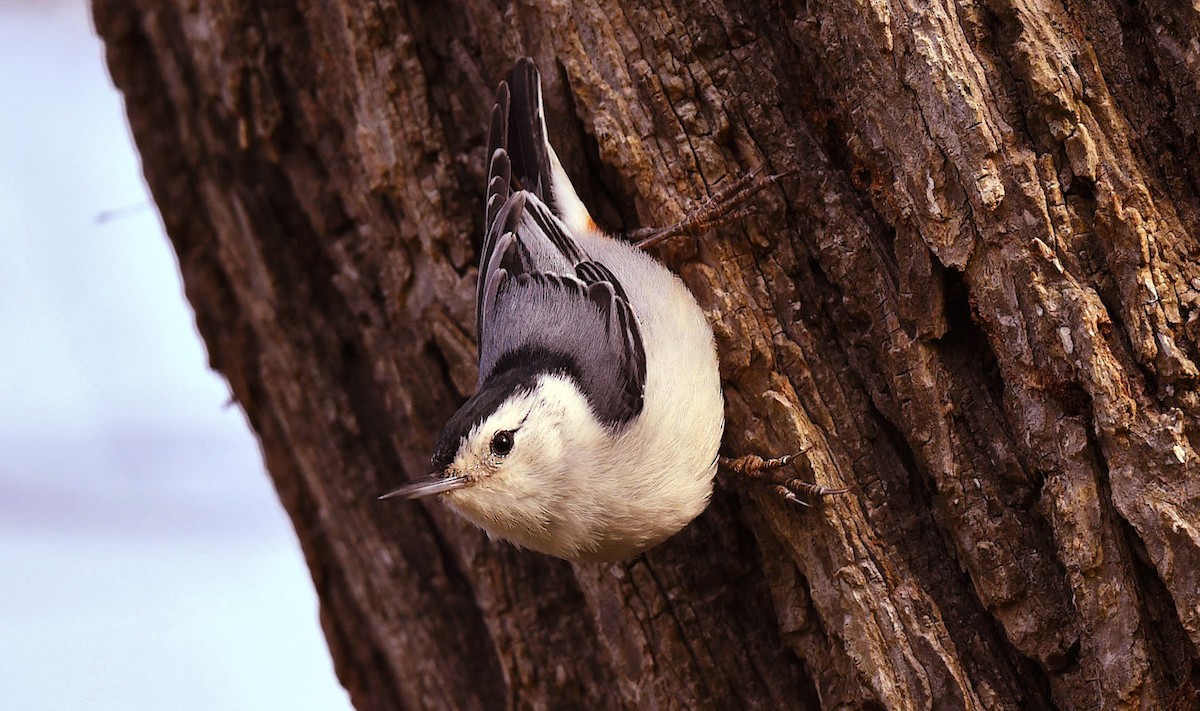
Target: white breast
column 672, row 445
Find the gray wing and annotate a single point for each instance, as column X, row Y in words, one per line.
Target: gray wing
column 543, row 300
column 540, row 296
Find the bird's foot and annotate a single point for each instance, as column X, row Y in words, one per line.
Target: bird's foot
column 755, row 467
column 728, row 204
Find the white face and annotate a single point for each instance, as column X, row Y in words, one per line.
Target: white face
column 518, row 462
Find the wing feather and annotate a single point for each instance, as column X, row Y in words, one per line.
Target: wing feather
column 539, row 291
column 587, row 326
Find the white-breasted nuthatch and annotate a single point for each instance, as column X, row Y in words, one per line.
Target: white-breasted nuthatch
column 594, row 432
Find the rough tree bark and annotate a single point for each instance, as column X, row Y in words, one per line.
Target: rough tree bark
column 975, row 297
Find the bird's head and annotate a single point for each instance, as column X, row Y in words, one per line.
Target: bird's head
column 512, row 459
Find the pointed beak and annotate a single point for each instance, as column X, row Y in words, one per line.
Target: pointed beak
column 437, row 483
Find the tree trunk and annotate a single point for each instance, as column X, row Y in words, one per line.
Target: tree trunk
column 974, row 297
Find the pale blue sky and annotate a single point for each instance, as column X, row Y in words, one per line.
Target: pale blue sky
column 145, row 562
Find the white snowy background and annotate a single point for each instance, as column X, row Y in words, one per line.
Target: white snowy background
column 145, row 562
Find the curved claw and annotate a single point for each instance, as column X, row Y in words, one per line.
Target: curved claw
column 731, row 202
column 814, row 489
column 753, row 466
column 790, row 495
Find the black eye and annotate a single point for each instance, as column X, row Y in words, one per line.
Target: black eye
column 502, row 443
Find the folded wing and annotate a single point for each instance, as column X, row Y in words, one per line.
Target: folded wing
column 541, row 298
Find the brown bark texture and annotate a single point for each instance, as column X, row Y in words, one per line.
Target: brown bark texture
column 974, row 297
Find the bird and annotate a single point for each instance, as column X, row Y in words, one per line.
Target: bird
column 595, row 430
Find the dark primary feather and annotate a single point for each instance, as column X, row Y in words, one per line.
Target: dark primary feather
column 526, row 140
column 539, row 291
